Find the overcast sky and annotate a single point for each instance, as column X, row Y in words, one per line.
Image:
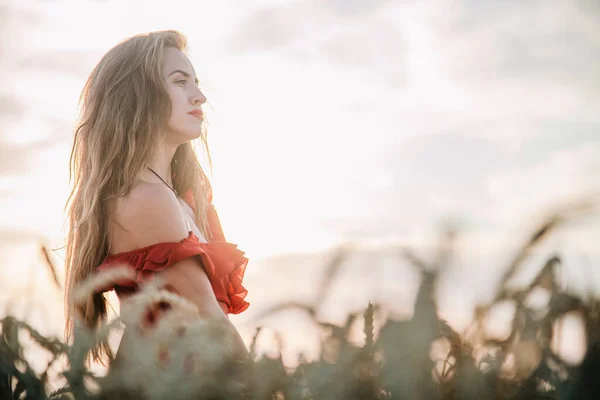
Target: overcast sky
column 330, row 119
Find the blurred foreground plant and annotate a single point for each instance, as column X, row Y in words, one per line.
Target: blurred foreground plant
column 169, row 352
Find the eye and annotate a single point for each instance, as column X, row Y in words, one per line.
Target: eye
column 181, row 81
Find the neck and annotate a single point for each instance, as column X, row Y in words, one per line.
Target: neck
column 161, row 163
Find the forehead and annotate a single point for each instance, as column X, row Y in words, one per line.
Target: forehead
column 175, row 59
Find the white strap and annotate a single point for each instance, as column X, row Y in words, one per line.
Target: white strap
column 185, row 218
column 187, row 223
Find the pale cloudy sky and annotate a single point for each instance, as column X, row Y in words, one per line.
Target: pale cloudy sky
column 329, row 119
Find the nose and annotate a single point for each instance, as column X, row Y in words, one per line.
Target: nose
column 198, row 98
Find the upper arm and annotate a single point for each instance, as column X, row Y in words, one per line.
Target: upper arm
column 152, row 215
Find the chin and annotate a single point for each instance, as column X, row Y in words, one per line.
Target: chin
column 193, row 135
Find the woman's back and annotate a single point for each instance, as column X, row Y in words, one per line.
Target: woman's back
column 149, row 214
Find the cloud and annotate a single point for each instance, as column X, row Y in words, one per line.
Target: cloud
column 537, row 59
column 547, row 38
column 267, row 28
column 59, row 61
column 10, row 106
column 346, row 34
column 353, row 8
column 466, row 62
column 429, row 176
column 17, row 159
column 466, row 92
column 274, row 26
column 15, row 22
column 12, row 17
column 420, row 179
column 561, row 175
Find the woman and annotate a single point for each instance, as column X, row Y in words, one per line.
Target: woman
column 140, row 196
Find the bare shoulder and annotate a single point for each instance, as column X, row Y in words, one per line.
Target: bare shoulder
column 149, row 214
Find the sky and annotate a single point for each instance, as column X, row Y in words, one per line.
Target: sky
column 371, row 121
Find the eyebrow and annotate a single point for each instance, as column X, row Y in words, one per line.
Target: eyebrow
column 185, row 74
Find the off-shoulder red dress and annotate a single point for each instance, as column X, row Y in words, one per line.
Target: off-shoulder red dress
column 223, row 262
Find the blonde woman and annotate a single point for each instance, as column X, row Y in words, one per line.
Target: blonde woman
column 139, row 194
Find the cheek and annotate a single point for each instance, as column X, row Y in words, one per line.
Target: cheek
column 178, row 107
column 177, row 100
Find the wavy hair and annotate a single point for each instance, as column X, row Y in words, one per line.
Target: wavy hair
column 124, row 108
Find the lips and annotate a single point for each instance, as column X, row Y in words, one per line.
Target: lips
column 197, row 113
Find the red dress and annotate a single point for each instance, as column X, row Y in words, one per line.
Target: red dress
column 223, row 262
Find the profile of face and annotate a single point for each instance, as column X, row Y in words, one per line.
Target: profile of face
column 185, row 122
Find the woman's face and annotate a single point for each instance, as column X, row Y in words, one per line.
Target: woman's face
column 186, row 118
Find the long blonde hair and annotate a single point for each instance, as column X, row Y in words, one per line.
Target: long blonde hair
column 124, row 110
